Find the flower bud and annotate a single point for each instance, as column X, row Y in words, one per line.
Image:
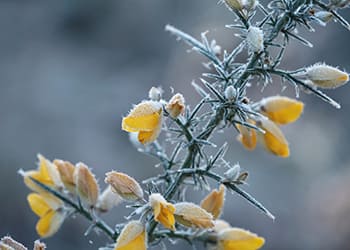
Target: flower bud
column 324, row 16
column 255, row 39
column 7, row 243
column 234, row 4
column 230, row 93
column 155, row 94
column 124, row 185
column 133, row 236
column 38, row 245
column 214, row 201
column 66, row 171
column 232, row 173
column 324, row 76
column 340, row 3
column 86, row 184
column 107, row 200
column 281, row 109
column 176, row 105
column 249, row 4
column 191, row 215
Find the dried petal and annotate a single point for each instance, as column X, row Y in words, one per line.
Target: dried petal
column 176, row 105
column 214, row 202
column 86, row 184
column 191, row 215
column 133, row 236
column 238, row 239
column 281, row 109
column 66, row 171
column 163, row 211
column 124, row 185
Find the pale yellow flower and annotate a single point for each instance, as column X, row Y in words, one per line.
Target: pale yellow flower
column 163, row 211
column 50, row 211
column 247, row 136
column 86, row 184
column 145, row 119
column 132, row 237
column 46, row 173
column 124, row 185
column 66, row 171
column 192, row 215
column 238, row 239
column 281, row 109
column 214, row 201
column 273, row 138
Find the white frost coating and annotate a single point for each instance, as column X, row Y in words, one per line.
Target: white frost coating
column 255, row 39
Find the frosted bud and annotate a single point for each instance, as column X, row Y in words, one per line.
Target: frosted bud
column 255, row 39
column 155, row 94
column 233, row 173
column 234, row 4
column 107, row 200
column 340, row 3
column 324, row 16
column 215, row 47
column 324, row 76
column 176, row 105
column 249, row 4
column 230, row 93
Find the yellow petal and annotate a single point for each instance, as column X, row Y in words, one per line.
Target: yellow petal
column 281, row 109
column 239, row 239
column 38, row 204
column 132, row 237
column 273, row 139
column 214, row 201
column 191, row 215
column 49, row 223
column 66, row 171
column 146, row 137
column 163, row 211
column 247, row 136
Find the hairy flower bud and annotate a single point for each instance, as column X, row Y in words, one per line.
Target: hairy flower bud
column 324, row 16
column 191, row 215
column 230, row 93
column 155, row 94
column 176, row 105
column 249, row 4
column 124, row 185
column 255, row 39
column 107, row 200
column 324, row 76
column 38, row 245
column 86, row 184
column 232, row 173
column 234, row 4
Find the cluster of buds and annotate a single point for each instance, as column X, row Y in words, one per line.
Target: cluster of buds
column 146, row 118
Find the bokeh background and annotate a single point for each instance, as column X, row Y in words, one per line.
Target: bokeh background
column 69, row 71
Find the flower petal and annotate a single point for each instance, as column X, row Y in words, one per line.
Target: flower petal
column 49, row 223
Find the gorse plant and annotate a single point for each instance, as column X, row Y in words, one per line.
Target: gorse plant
column 159, row 209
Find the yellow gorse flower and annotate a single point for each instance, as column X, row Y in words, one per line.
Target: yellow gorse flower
column 163, row 211
column 281, row 109
column 273, row 139
column 191, row 215
column 238, row 239
column 214, row 201
column 46, row 173
column 50, row 211
column 145, row 119
column 132, row 237
column 247, row 136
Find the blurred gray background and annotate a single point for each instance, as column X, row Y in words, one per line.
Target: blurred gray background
column 69, row 71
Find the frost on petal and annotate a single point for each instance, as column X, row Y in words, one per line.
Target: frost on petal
column 66, row 171
column 238, row 239
column 124, row 185
column 325, row 76
column 133, row 236
column 191, row 215
column 163, row 211
column 176, row 105
column 214, row 202
column 281, row 109
column 255, row 39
